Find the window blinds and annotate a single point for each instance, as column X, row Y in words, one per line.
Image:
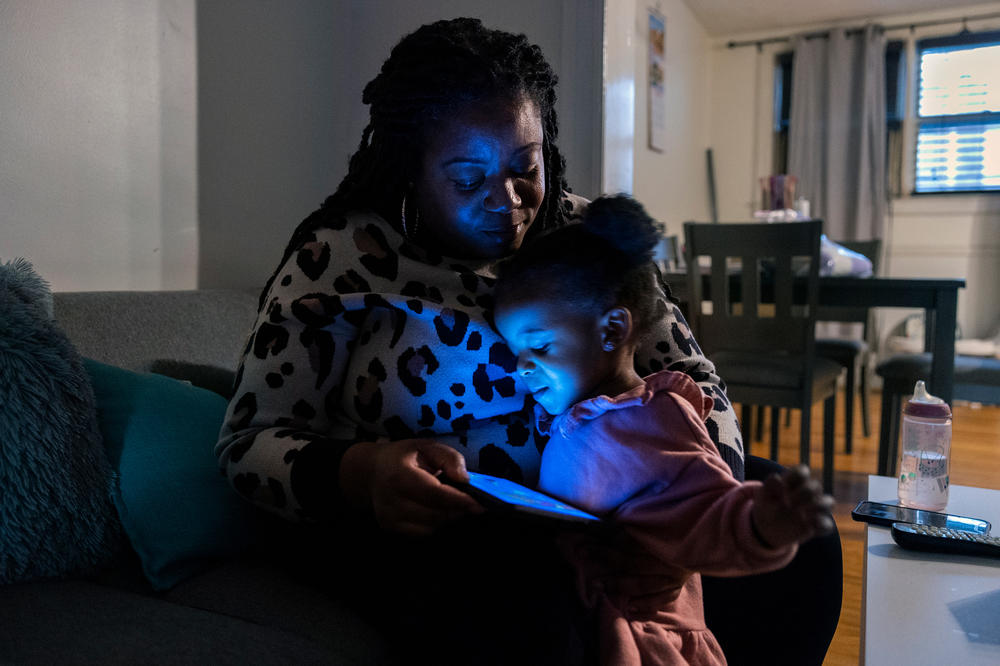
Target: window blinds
column 958, row 111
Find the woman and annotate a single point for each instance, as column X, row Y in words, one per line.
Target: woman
column 373, row 366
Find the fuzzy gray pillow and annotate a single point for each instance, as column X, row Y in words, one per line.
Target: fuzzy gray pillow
column 55, row 480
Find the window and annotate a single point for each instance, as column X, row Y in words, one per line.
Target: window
column 958, row 114
column 894, row 80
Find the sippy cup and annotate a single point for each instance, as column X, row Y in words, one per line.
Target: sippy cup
column 926, row 435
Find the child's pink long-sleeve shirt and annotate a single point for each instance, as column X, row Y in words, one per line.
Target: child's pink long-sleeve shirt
column 645, row 459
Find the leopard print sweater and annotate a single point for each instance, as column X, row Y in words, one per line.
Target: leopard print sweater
column 364, row 336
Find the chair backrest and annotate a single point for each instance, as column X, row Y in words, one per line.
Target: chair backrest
column 773, row 267
column 873, row 250
column 666, row 254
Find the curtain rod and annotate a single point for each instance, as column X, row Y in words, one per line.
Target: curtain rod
column 824, row 33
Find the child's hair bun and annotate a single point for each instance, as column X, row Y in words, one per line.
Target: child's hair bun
column 601, row 262
column 623, row 223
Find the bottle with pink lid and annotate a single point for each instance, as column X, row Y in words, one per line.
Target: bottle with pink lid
column 926, row 454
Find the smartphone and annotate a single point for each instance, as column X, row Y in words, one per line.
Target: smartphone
column 497, row 493
column 887, row 514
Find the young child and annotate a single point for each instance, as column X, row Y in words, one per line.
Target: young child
column 572, row 307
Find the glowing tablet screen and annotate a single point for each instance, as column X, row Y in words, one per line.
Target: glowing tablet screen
column 518, row 495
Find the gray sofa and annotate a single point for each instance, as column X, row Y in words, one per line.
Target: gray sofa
column 246, row 611
column 255, row 610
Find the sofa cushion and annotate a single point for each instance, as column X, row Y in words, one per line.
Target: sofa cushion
column 79, row 622
column 179, row 512
column 56, row 516
column 269, row 594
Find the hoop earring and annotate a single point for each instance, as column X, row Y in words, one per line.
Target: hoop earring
column 408, row 233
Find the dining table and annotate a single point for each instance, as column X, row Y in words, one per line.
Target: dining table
column 938, row 297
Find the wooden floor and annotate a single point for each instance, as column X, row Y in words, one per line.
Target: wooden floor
column 975, row 462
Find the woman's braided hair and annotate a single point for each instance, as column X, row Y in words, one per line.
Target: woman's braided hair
column 429, row 74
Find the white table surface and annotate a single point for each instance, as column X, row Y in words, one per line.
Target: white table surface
column 930, row 608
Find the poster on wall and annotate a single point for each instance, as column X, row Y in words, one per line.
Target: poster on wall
column 657, row 112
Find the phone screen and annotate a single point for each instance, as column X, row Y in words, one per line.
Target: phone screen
column 520, row 497
column 886, row 514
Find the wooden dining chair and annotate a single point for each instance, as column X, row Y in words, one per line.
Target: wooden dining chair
column 757, row 324
column 853, row 354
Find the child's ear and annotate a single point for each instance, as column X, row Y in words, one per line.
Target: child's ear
column 616, row 327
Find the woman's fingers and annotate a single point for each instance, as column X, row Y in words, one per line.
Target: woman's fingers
column 435, row 456
column 426, row 489
column 407, row 496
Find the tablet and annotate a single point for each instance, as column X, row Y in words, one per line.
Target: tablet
column 494, row 492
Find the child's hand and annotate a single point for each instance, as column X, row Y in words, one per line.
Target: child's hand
column 791, row 508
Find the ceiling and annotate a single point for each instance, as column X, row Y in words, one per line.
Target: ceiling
column 731, row 17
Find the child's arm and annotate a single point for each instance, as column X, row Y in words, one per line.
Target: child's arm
column 656, row 471
column 695, row 516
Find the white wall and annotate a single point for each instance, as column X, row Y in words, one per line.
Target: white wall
column 280, row 107
column 672, row 184
column 741, row 114
column 620, row 79
column 149, row 144
column 98, row 141
column 950, row 236
column 275, row 131
column 926, row 236
column 569, row 33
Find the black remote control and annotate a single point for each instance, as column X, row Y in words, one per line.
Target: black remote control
column 945, row 540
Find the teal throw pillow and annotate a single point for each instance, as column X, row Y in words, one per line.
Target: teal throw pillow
column 178, row 510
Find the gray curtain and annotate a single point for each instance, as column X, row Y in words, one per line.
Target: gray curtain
column 837, row 133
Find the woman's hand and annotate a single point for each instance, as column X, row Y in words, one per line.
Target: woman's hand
column 398, row 482
column 791, row 508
